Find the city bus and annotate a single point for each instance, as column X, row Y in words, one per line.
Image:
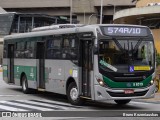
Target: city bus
column 86, row 62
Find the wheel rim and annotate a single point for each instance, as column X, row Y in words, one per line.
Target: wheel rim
column 74, row 94
column 24, row 85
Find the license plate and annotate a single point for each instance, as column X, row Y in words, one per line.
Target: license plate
column 128, row 91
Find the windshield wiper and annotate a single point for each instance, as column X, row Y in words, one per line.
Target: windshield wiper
column 118, row 44
column 137, row 45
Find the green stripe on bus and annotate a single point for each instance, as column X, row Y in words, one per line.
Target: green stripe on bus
column 5, row 71
column 113, row 84
column 30, row 71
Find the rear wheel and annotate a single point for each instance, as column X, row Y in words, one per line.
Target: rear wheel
column 25, row 88
column 73, row 95
column 122, row 102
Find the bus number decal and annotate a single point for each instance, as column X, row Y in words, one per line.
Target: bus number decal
column 17, row 69
column 32, row 74
column 75, row 73
column 137, row 84
column 123, row 30
column 5, row 68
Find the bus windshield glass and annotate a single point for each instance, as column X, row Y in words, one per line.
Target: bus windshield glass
column 126, row 55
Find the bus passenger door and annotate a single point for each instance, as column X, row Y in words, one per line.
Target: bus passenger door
column 11, row 63
column 87, row 67
column 40, row 55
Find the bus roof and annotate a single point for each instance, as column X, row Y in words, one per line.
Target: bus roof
column 76, row 29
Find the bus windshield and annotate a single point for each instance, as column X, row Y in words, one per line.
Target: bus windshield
column 126, row 55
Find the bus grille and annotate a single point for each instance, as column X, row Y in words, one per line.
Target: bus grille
column 122, row 94
column 128, row 79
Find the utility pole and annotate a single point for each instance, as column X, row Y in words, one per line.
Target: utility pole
column 101, row 11
column 71, row 11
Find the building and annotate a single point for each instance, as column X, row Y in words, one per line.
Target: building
column 85, row 11
column 12, row 23
column 22, row 15
column 146, row 12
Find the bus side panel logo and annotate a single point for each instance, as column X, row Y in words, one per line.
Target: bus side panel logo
column 131, row 68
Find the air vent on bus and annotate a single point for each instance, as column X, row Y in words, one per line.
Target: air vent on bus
column 55, row 27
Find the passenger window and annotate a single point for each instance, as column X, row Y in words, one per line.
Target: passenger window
column 70, row 47
column 29, row 51
column 5, row 51
column 54, row 47
column 19, row 52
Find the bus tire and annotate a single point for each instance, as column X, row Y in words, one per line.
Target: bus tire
column 72, row 94
column 25, row 88
column 122, row 102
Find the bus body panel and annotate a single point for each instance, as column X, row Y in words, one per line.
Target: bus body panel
column 28, row 67
column 5, row 70
column 101, row 93
column 57, row 74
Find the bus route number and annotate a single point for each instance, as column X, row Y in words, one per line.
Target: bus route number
column 124, row 30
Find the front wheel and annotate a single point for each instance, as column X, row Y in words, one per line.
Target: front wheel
column 25, row 88
column 73, row 95
column 122, row 102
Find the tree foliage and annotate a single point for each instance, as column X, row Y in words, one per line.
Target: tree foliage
column 158, row 59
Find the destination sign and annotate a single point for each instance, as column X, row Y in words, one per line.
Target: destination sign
column 124, row 31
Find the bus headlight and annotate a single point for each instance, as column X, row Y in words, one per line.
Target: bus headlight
column 101, row 82
column 152, row 81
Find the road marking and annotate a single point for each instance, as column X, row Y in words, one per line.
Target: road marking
column 60, row 103
column 44, row 104
column 8, row 108
column 134, row 102
column 30, row 105
column 27, row 106
column 57, row 103
column 8, row 95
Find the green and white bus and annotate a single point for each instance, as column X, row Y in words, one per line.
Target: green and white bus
column 96, row 62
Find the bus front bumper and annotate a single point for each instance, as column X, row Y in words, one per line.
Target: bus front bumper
column 102, row 93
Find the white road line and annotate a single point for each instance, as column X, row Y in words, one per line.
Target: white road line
column 8, row 95
column 27, row 106
column 8, row 108
column 56, row 102
column 134, row 102
column 45, row 104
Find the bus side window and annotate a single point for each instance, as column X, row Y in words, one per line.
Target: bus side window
column 5, row 51
column 29, row 51
column 74, row 48
column 65, row 51
column 70, row 47
column 54, row 48
column 19, row 52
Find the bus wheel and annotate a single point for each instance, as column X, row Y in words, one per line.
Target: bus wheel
column 72, row 94
column 122, row 102
column 25, row 88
